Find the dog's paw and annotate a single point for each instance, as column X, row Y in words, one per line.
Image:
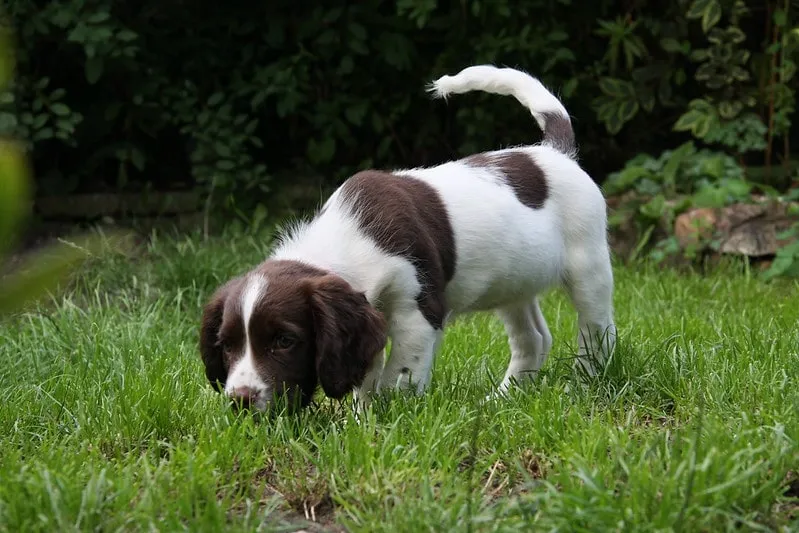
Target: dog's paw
column 500, row 393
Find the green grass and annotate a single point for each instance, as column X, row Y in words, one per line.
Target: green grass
column 107, row 423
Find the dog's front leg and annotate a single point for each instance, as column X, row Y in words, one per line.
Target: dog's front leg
column 366, row 390
column 414, row 343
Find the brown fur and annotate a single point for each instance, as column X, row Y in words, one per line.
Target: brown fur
column 406, row 217
column 520, row 172
column 334, row 333
column 559, row 133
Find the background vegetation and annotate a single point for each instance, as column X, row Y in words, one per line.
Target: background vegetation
column 690, row 100
column 106, row 421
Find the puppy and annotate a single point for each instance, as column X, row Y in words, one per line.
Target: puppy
column 398, row 254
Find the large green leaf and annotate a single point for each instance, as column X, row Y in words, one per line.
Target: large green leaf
column 14, row 192
column 711, row 15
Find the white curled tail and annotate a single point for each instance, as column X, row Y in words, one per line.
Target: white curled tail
column 548, row 111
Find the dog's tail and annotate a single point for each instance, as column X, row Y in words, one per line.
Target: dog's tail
column 549, row 113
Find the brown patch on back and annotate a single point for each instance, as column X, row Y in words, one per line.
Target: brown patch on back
column 406, row 217
column 521, row 173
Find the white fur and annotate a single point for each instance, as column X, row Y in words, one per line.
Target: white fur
column 528, row 90
column 244, row 376
column 507, row 254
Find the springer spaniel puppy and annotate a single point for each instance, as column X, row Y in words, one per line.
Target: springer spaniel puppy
column 397, row 254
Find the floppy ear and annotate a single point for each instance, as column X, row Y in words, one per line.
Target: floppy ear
column 210, row 350
column 349, row 334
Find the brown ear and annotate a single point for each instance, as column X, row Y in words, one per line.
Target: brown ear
column 349, row 334
column 210, row 349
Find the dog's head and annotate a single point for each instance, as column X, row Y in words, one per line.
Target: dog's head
column 284, row 328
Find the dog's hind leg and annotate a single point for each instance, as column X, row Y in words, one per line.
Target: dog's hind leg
column 529, row 339
column 589, row 281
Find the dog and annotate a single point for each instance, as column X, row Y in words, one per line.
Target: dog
column 399, row 254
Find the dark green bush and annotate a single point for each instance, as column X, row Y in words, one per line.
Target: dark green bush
column 246, row 97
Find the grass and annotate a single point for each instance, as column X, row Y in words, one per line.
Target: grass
column 107, row 423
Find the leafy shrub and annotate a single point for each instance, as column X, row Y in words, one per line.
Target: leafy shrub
column 47, row 267
column 241, row 100
column 245, row 101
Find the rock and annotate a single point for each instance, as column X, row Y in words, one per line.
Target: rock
column 739, row 229
column 695, row 226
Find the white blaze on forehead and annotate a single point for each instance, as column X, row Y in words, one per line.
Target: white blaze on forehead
column 250, row 296
column 244, row 373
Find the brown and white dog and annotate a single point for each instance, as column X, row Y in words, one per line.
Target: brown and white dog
column 397, row 254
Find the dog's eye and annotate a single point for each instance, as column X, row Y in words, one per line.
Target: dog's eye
column 284, row 341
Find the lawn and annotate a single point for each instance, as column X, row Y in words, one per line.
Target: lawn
column 107, row 422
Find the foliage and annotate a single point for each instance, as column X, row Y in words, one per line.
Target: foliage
column 243, row 100
column 677, row 180
column 737, row 96
column 656, row 190
column 786, row 260
column 247, row 103
column 44, row 269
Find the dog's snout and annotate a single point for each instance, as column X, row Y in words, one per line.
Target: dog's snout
column 243, row 397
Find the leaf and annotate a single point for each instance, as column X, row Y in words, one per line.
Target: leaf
column 702, row 127
column 15, row 191
column 8, row 123
column 64, row 125
column 672, row 167
column 624, row 180
column 93, row 68
column 627, row 110
column 688, row 120
column 778, row 267
column 257, row 100
column 697, row 9
column 780, row 18
column 356, row 113
column 654, row 208
column 222, row 149
column 728, row 110
column 127, row 36
column 711, row 16
column 42, row 135
column 98, row 17
column 569, row 87
column 215, row 99
column 40, row 120
column 137, row 158
column 617, row 88
column 613, row 124
column 670, row 45
column 59, row 109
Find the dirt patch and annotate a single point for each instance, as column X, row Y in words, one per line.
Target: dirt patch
column 305, row 497
column 507, row 477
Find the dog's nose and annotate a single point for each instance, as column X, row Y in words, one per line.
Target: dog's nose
column 243, row 396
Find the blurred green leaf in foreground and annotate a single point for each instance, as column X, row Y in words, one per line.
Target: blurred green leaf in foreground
column 44, row 269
